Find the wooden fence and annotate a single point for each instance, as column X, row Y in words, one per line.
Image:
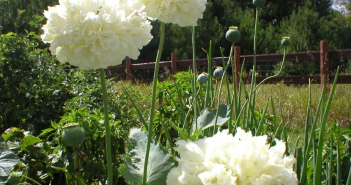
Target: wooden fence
column 324, row 55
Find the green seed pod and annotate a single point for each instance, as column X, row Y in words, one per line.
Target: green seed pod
column 285, row 41
column 203, row 78
column 258, row 3
column 233, row 34
column 14, row 178
column 72, row 134
column 218, row 73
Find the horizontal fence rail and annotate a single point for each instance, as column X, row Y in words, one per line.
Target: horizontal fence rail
column 143, row 72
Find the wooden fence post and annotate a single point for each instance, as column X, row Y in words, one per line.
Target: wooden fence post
column 324, row 57
column 128, row 70
column 174, row 63
column 237, row 65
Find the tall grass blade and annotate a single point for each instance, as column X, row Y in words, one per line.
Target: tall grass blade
column 180, row 109
column 299, row 161
column 318, row 168
column 302, row 176
column 181, row 100
column 330, row 162
column 136, row 108
column 168, row 136
column 348, row 181
column 261, row 122
column 338, row 157
column 273, row 112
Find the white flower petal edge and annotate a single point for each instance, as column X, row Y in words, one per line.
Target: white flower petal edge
column 93, row 34
column 181, row 12
column 224, row 160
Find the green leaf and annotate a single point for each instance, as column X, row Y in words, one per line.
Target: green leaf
column 46, row 132
column 159, row 164
column 207, row 117
column 8, row 160
column 183, row 134
column 29, row 140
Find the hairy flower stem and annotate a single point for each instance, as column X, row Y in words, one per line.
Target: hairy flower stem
column 194, row 81
column 153, row 99
column 107, row 128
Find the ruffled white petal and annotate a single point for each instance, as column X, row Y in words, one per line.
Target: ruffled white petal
column 224, row 159
column 94, row 34
column 181, row 12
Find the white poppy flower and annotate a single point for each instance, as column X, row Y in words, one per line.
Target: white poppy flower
column 181, row 12
column 93, row 34
column 227, row 160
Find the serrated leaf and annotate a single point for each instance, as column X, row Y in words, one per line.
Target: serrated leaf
column 159, row 164
column 8, row 160
column 29, row 140
column 207, row 117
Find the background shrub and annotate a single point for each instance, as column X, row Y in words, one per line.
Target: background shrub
column 32, row 83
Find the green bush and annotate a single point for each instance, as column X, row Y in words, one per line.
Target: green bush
column 32, row 83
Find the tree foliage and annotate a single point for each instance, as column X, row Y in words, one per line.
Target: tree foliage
column 20, row 15
column 306, row 22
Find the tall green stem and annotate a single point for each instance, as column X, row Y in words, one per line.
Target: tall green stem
column 253, row 78
column 26, row 177
column 194, row 80
column 209, row 88
column 153, row 99
column 273, row 76
column 107, row 128
column 224, row 76
column 254, row 53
